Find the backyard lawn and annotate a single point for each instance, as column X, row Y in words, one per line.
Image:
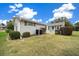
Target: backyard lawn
column 42, row 45
column 3, row 37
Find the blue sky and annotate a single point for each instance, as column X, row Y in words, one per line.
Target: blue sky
column 44, row 11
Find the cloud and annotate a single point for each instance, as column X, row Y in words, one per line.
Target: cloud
column 37, row 20
column 65, row 7
column 0, row 21
column 27, row 13
column 4, row 21
column 15, row 8
column 76, row 21
column 64, row 11
column 68, row 15
column 19, row 5
column 51, row 19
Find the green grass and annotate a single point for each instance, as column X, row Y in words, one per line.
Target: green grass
column 47, row 44
column 3, row 37
column 41, row 45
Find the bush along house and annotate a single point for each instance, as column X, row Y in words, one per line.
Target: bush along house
column 26, row 25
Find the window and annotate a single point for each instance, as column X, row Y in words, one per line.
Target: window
column 31, row 24
column 25, row 23
column 28, row 24
column 52, row 27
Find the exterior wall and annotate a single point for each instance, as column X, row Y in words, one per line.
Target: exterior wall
column 50, row 30
column 30, row 29
column 21, row 27
column 47, row 29
column 17, row 25
column 39, row 26
column 55, row 25
column 26, row 28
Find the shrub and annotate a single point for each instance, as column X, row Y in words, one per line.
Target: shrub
column 14, row 35
column 67, row 30
column 8, row 30
column 26, row 34
column 57, row 31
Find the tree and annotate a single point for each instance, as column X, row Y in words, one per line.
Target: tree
column 64, row 19
column 67, row 23
column 77, row 24
column 10, row 25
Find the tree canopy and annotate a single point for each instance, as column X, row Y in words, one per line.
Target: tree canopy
column 10, row 25
column 76, row 24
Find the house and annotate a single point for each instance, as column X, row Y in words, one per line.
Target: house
column 26, row 25
column 56, row 24
column 2, row 26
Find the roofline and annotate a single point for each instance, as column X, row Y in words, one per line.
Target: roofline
column 30, row 21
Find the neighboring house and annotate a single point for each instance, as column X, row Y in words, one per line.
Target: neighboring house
column 2, row 26
column 25, row 25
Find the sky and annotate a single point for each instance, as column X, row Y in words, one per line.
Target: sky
column 39, row 12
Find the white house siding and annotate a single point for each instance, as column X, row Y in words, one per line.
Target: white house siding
column 39, row 26
column 17, row 25
column 47, row 30
column 55, row 25
column 27, row 28
column 50, row 30
column 30, row 29
column 21, row 27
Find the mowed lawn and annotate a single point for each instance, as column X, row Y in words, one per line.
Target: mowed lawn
column 44, row 45
column 3, row 41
